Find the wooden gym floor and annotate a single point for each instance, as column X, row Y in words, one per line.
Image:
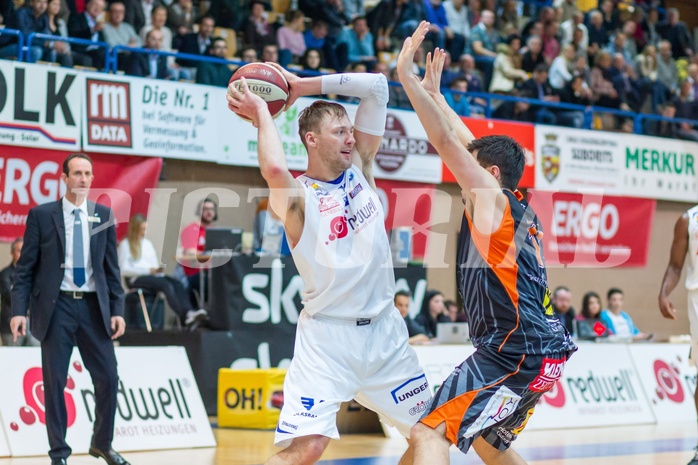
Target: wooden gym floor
column 634, row 445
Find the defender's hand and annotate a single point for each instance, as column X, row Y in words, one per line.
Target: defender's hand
column 18, row 325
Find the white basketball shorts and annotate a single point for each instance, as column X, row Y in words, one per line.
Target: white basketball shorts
column 334, row 362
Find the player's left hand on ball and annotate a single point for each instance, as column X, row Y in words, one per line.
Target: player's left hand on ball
column 243, row 102
column 294, row 84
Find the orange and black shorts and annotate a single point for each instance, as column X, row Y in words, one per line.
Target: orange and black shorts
column 491, row 395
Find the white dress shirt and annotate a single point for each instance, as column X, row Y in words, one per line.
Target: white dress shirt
column 69, row 220
column 133, row 268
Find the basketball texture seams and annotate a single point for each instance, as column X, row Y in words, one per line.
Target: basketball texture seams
column 265, row 81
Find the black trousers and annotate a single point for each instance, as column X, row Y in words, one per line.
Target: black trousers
column 177, row 297
column 78, row 321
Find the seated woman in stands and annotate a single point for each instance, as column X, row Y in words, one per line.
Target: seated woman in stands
column 141, row 268
column 433, row 311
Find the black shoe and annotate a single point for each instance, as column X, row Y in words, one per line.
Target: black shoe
column 59, row 462
column 110, row 456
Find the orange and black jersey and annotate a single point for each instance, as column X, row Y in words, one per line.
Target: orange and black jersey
column 504, row 285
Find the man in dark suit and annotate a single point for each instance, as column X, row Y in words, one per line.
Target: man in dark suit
column 197, row 43
column 88, row 25
column 214, row 74
column 149, row 65
column 68, row 274
column 539, row 88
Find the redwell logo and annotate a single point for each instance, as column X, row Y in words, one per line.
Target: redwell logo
column 668, row 382
column 35, row 410
column 109, row 113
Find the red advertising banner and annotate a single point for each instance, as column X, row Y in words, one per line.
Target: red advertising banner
column 593, row 231
column 30, row 177
column 523, row 133
column 408, row 204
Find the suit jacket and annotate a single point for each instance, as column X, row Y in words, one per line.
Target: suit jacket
column 7, row 277
column 134, row 14
column 189, row 43
column 139, row 65
column 213, row 74
column 80, row 29
column 40, row 267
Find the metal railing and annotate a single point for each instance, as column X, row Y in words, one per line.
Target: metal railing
column 71, row 40
column 20, row 41
column 146, row 51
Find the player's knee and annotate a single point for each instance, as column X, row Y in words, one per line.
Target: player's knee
column 421, row 433
column 312, row 448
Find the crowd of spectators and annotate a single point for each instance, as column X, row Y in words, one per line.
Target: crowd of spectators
column 635, row 56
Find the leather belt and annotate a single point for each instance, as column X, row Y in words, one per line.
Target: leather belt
column 78, row 294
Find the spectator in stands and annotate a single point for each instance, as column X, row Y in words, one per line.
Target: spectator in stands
column 565, row 9
column 7, row 278
column 227, row 13
column 617, row 46
column 149, row 65
column 88, row 25
column 140, row 268
column 455, row 313
column 534, row 54
column 516, row 110
column 248, row 55
column 193, row 241
column 605, row 95
column 551, row 46
column 197, row 43
column 598, row 35
column 312, row 60
column 332, row 13
column 631, row 91
column 483, row 41
column 382, row 67
column 676, row 33
column 398, row 97
column 359, row 45
column 257, row 31
column 29, row 19
column 507, row 72
column 456, row 99
column 665, row 128
column 390, row 21
column 181, row 16
column 158, row 21
column 609, row 15
column 580, row 48
column 439, row 30
column 457, row 17
column 667, row 73
column 466, row 67
column 650, row 27
column 432, row 312
column 269, row 235
column 139, row 13
column 539, row 87
column 562, row 307
column 353, row 9
column 686, row 107
column 573, row 24
column 646, row 63
column 693, row 74
column 591, row 307
column 415, row 332
column 290, row 39
column 474, row 11
column 508, row 19
column 58, row 50
column 630, row 47
column 559, row 72
column 270, row 53
column 534, row 27
column 214, row 74
column 315, row 36
column 618, row 322
column 576, row 92
column 117, row 31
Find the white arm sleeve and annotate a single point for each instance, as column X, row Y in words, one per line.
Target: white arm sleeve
column 371, row 88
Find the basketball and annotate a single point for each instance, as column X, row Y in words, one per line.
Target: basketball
column 265, row 81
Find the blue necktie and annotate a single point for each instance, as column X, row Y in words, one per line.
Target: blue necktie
column 78, row 252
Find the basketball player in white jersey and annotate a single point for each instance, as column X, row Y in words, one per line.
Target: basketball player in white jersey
column 351, row 341
column 685, row 244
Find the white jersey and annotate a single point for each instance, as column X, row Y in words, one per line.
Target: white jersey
column 692, row 268
column 343, row 254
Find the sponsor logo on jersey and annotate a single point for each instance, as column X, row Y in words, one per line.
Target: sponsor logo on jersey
column 419, row 408
column 309, row 402
column 550, row 371
column 355, row 191
column 410, row 388
column 328, row 206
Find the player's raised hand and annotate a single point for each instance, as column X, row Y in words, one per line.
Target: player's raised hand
column 409, row 48
column 294, row 84
column 244, row 103
column 434, row 68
